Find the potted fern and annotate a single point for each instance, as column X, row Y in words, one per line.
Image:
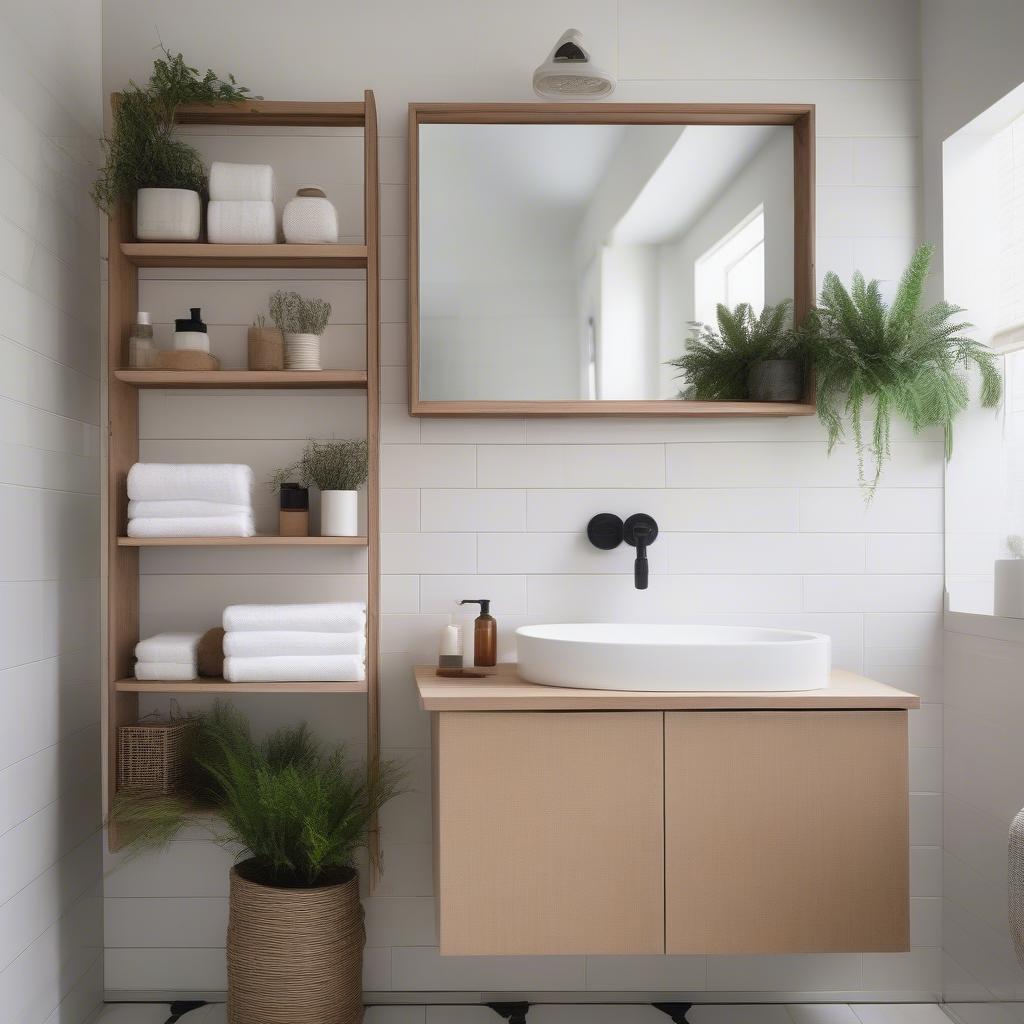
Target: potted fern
column 299, row 814
column 873, row 358
column 302, row 321
column 338, row 469
column 756, row 357
column 144, row 160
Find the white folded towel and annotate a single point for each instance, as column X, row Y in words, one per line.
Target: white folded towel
column 174, row 509
column 277, row 643
column 165, row 670
column 243, row 221
column 176, row 648
column 328, row 617
column 184, row 526
column 225, row 482
column 241, row 181
column 300, row 668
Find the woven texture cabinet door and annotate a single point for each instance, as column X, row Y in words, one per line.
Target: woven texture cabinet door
column 786, row 832
column 549, row 832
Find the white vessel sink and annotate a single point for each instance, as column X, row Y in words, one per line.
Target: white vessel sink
column 602, row 656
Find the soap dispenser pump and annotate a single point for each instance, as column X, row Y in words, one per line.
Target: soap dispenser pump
column 485, row 634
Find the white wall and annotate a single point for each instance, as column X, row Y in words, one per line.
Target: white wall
column 50, row 861
column 758, row 524
column 981, row 41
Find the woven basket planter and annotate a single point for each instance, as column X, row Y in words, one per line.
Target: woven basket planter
column 294, row 954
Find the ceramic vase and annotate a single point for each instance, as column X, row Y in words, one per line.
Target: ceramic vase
column 310, row 218
column 1009, row 588
column 302, row 352
column 339, row 513
column 167, row 215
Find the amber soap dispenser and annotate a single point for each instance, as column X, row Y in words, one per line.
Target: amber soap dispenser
column 485, row 634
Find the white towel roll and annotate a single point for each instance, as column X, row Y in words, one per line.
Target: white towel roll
column 226, row 482
column 298, row 669
column 165, row 670
column 185, row 507
column 184, row 526
column 327, row 617
column 279, row 643
column 174, row 648
column 243, row 222
column 241, row 181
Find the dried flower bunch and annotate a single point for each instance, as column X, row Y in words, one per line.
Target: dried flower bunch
column 294, row 314
column 328, row 465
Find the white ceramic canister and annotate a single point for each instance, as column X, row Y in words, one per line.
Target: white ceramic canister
column 190, row 333
column 310, row 218
column 1009, row 588
column 302, row 351
column 339, row 513
column 167, row 215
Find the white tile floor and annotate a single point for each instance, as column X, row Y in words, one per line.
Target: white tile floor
column 833, row 1013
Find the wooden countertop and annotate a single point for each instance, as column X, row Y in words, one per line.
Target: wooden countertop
column 503, row 690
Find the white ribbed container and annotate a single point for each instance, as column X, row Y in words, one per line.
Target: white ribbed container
column 310, row 218
column 302, row 351
column 1008, row 599
column 167, row 215
column 339, row 513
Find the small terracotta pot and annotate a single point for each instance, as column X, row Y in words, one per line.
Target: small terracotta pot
column 266, row 348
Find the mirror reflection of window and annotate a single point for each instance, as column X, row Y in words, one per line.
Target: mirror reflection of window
column 732, row 270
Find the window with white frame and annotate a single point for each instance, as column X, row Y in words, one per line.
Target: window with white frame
column 732, row 270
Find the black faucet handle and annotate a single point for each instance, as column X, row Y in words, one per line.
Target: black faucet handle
column 640, row 528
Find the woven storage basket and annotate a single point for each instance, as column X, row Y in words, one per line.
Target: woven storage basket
column 294, row 954
column 152, row 755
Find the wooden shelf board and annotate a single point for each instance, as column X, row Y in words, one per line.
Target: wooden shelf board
column 243, row 378
column 264, row 541
column 656, row 408
column 282, row 113
column 223, row 686
column 206, row 254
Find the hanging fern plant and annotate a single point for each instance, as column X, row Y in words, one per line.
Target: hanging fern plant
column 142, row 150
column 872, row 358
column 716, row 363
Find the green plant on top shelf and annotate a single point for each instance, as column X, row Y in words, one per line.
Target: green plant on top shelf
column 876, row 359
column 299, row 812
column 716, row 362
column 292, row 313
column 328, row 465
column 142, row 149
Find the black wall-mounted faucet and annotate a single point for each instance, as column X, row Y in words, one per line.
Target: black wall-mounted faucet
column 607, row 531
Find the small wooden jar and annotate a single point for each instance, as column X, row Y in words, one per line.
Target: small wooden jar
column 266, row 348
column 293, row 518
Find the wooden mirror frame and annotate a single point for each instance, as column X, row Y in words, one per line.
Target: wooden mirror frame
column 800, row 116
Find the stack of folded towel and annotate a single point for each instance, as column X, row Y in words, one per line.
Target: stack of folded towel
column 168, row 656
column 192, row 500
column 265, row 643
column 241, row 206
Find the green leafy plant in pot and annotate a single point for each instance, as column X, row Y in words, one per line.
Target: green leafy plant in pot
column 879, row 359
column 755, row 357
column 302, row 321
column 338, row 469
column 299, row 813
column 147, row 163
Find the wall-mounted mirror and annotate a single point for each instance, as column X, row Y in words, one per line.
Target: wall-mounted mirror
column 559, row 254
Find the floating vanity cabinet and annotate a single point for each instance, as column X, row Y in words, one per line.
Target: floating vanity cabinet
column 550, row 832
column 786, row 831
column 570, row 821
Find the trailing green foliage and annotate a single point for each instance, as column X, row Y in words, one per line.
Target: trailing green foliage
column 298, row 812
column 872, row 358
column 142, row 150
column 294, row 314
column 716, row 362
column 328, row 465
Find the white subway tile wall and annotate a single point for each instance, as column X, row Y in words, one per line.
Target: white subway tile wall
column 51, row 940
column 758, row 524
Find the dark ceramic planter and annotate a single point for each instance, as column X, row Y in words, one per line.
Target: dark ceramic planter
column 776, row 380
